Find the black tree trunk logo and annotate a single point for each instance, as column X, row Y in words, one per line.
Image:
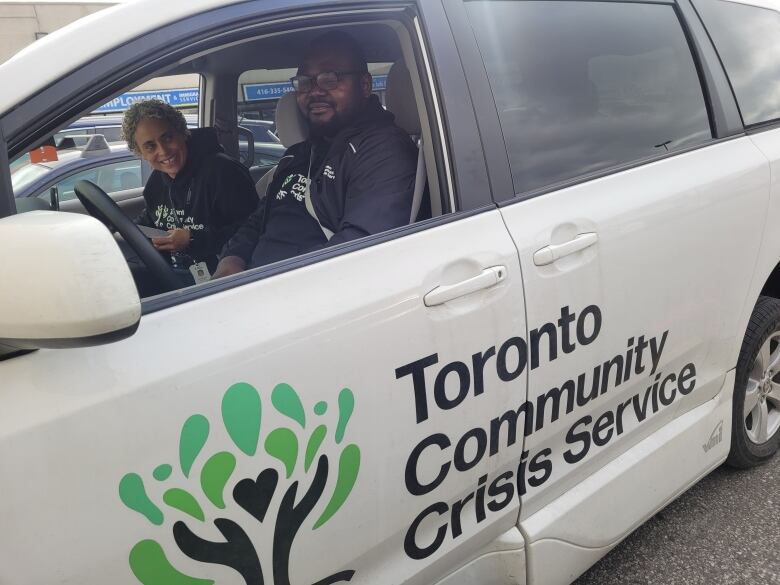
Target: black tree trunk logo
column 292, row 501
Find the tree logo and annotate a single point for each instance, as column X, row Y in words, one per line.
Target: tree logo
column 241, row 415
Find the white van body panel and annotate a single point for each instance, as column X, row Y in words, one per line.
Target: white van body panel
column 500, row 563
column 574, row 531
column 768, row 142
column 664, row 272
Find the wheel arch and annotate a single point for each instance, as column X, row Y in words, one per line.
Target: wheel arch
column 771, row 287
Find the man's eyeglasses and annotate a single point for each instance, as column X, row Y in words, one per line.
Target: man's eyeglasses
column 326, row 80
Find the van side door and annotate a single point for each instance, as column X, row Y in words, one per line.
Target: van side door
column 636, row 204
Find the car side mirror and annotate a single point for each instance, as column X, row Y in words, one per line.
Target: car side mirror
column 246, row 134
column 65, row 283
column 54, row 198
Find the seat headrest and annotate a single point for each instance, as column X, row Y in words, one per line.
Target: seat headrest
column 291, row 127
column 205, row 140
column 399, row 98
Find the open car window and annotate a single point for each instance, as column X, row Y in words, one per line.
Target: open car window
column 241, row 82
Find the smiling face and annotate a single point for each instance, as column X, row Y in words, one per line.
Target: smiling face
column 161, row 146
column 328, row 111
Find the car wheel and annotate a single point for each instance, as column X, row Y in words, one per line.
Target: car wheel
column 756, row 411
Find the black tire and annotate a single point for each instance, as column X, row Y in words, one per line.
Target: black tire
column 748, row 446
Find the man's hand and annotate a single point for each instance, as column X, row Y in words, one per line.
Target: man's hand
column 176, row 240
column 229, row 265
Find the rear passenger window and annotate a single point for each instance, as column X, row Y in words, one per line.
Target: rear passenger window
column 111, row 178
column 747, row 39
column 583, row 86
column 111, row 133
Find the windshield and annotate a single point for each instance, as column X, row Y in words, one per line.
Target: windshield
column 25, row 175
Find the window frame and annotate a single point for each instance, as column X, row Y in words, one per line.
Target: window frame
column 7, row 201
column 76, row 92
column 749, row 128
column 723, row 115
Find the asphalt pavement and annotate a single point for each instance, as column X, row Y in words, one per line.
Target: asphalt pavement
column 725, row 530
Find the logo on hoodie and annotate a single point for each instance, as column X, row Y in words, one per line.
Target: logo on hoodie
column 164, row 219
column 294, row 184
column 328, row 172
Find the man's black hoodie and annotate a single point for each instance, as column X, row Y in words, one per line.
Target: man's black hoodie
column 362, row 183
column 221, row 193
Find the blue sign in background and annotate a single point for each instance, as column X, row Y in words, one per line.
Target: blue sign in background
column 270, row 91
column 179, row 98
column 176, row 97
column 265, row 91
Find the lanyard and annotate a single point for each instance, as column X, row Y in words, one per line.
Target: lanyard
column 186, row 210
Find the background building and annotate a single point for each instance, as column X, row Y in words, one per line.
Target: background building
column 22, row 23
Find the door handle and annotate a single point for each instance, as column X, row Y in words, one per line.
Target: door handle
column 441, row 294
column 551, row 253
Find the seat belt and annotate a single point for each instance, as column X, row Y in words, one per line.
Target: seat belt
column 419, row 183
column 309, row 206
column 265, row 181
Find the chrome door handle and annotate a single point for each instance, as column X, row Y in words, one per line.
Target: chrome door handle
column 441, row 294
column 551, row 253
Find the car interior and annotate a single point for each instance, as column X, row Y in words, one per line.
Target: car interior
column 387, row 42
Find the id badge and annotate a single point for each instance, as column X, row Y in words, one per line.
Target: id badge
column 200, row 272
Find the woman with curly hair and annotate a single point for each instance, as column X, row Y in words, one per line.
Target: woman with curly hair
column 196, row 193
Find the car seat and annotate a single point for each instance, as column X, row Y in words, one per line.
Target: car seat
column 291, row 129
column 400, row 100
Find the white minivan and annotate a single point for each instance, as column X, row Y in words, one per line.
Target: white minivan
column 587, row 324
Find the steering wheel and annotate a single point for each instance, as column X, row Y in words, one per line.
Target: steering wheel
column 102, row 207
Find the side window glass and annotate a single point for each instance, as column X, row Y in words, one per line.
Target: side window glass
column 747, row 39
column 120, row 176
column 110, row 178
column 65, row 187
column 110, row 133
column 584, row 86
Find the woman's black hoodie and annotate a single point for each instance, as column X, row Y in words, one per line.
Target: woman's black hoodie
column 221, row 196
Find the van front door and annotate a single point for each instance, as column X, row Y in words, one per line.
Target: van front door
column 326, row 419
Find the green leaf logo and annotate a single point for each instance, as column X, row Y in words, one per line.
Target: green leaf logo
column 189, row 503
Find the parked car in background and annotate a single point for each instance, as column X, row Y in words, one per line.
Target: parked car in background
column 267, row 155
column 109, row 126
column 268, row 149
column 262, row 130
column 111, row 166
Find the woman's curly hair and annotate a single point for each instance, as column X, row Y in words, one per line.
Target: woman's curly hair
column 151, row 108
